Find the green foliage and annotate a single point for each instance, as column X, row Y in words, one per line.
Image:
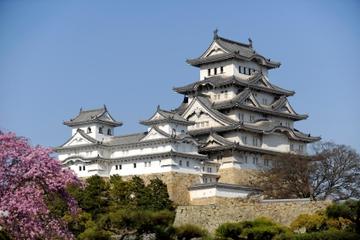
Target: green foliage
column 159, row 195
column 188, row 231
column 348, row 210
column 309, row 222
column 324, row 235
column 122, row 208
column 229, row 231
column 4, row 236
column 261, row 229
column 94, row 197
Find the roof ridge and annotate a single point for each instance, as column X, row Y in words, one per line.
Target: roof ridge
column 131, row 134
column 233, row 41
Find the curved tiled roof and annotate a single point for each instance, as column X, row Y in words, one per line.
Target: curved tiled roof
column 166, row 117
column 100, row 115
column 219, row 81
column 234, row 50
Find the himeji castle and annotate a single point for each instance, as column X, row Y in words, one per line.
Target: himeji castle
column 209, row 146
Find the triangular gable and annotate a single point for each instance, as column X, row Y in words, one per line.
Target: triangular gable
column 212, row 142
column 287, row 108
column 213, row 49
column 196, row 108
column 250, row 100
column 79, row 139
column 154, row 134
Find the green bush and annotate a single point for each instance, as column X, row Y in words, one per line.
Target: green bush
column 325, row 235
column 188, row 231
column 229, row 231
column 261, row 229
column 310, row 222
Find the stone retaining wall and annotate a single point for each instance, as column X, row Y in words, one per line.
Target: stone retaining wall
column 235, row 210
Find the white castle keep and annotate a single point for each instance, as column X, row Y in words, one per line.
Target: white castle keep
column 208, row 146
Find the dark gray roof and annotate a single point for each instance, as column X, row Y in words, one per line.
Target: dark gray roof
column 219, row 81
column 166, row 117
column 127, row 139
column 100, row 115
column 235, row 50
column 239, row 101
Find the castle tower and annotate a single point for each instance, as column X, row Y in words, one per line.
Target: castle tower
column 239, row 115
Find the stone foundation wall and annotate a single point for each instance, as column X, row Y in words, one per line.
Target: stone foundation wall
column 245, row 177
column 234, row 210
column 177, row 184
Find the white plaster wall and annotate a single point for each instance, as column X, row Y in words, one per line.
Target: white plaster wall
column 276, row 141
column 217, row 192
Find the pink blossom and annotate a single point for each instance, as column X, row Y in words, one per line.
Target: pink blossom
column 27, row 175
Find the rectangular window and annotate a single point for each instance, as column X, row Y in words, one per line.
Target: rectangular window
column 79, row 168
column 215, row 71
column 222, row 69
column 116, row 167
column 244, row 139
column 255, row 160
column 187, row 163
column 266, row 162
column 134, row 165
column 291, row 147
column 209, row 72
column 246, row 158
column 264, row 101
column 241, row 117
column 120, row 166
column 252, row 118
column 240, row 69
column 83, row 168
column 180, row 162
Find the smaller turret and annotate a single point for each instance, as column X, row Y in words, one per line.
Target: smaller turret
column 97, row 123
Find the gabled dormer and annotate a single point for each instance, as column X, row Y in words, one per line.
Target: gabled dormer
column 228, row 58
column 96, row 123
column 169, row 122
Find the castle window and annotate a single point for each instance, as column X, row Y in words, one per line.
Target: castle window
column 255, row 160
column 116, row 167
column 79, row 168
column 222, row 69
column 266, row 162
column 215, row 71
column 246, row 158
column 291, row 147
column 180, row 162
column 209, row 72
column 187, row 163
column 244, row 139
column 120, row 166
column 109, row 132
column 226, row 93
column 83, row 168
column 134, row 165
column 264, row 101
column 252, row 118
column 241, row 117
column 89, row 130
column 100, row 129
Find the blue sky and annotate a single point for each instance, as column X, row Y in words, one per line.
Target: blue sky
column 58, row 56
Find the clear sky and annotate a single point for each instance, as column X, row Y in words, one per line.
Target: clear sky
column 58, row 56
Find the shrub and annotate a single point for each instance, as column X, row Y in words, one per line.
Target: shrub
column 261, row 229
column 229, row 230
column 188, row 231
column 310, row 222
column 325, row 235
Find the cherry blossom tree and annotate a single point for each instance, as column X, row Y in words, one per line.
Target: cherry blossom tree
column 29, row 179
